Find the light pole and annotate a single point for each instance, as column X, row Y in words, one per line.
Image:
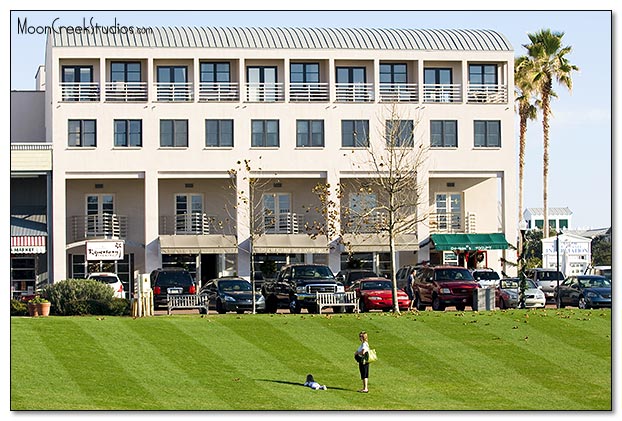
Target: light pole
column 521, row 264
column 557, row 274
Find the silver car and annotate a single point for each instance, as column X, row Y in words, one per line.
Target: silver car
column 508, row 290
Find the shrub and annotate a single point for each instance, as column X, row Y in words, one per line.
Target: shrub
column 18, row 308
column 76, row 297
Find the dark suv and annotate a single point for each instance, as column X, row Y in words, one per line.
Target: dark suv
column 170, row 281
column 443, row 286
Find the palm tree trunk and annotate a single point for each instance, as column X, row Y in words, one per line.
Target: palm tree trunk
column 545, row 159
column 521, row 174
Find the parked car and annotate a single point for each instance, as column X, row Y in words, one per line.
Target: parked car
column 443, row 286
column 585, row 291
column 348, row 276
column 232, row 294
column 377, row 294
column 170, row 281
column 110, row 279
column 486, row 277
column 508, row 290
column 604, row 270
column 547, row 280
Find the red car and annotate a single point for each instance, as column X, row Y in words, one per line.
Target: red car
column 376, row 294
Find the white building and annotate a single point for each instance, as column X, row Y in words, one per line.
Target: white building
column 575, row 253
column 559, row 218
column 147, row 127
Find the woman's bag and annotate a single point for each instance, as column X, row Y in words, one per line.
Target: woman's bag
column 371, row 357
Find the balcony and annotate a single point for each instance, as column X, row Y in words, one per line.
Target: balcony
column 284, row 223
column 308, row 92
column 219, row 92
column 444, row 93
column 195, row 223
column 398, row 92
column 79, row 91
column 451, row 223
column 489, row 94
column 373, row 222
column 102, row 226
column 265, row 92
column 126, row 91
column 174, row 92
column 354, row 92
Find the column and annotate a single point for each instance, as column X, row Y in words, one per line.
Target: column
column 243, row 220
column 153, row 257
column 58, row 271
column 334, row 252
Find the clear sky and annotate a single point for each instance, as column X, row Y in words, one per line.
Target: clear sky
column 581, row 128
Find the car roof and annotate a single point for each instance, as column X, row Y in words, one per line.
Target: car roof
column 229, row 279
column 102, row 274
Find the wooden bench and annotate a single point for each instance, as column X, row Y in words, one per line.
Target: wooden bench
column 186, row 301
column 336, row 299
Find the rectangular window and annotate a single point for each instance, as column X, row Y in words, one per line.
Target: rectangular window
column 487, row 133
column 82, row 133
column 265, row 133
column 354, row 133
column 125, row 72
column 483, row 74
column 309, row 133
column 443, row 134
column 399, row 133
column 304, row 72
column 128, row 133
column 174, row 133
column 393, row 73
column 563, row 224
column 219, row 133
column 215, row 73
column 78, row 84
column 539, row 223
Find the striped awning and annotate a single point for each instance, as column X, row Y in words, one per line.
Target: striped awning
column 28, row 244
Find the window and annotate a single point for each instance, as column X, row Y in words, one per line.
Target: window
column 82, row 133
column 219, row 133
column 483, row 74
column 563, row 224
column 124, row 72
column 173, row 83
column 174, row 133
column 265, row 133
column 172, row 74
column 448, row 212
column 189, row 214
column 394, row 73
column 354, row 133
column 539, row 223
column 215, row 72
column 78, row 84
column 262, row 84
column 304, row 72
column 277, row 216
column 487, row 133
column 399, row 133
column 443, row 134
column 309, row 133
column 128, row 133
column 100, row 217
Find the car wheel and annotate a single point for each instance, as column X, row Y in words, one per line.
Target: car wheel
column 294, row 307
column 362, row 307
column 436, row 304
column 418, row 304
column 502, row 305
column 220, row 308
column 460, row 307
column 583, row 303
column 349, row 309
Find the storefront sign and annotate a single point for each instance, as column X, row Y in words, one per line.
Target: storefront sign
column 104, row 250
column 28, row 244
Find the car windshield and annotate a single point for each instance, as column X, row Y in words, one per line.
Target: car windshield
column 515, row 284
column 107, row 279
column 312, row 272
column 550, row 276
column 453, row 275
column 234, row 286
column 369, row 285
column 595, row 282
column 486, row 275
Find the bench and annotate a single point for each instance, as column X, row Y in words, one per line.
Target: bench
column 186, row 301
column 336, row 299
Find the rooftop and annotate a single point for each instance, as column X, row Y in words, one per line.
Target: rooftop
column 290, row 38
column 552, row 211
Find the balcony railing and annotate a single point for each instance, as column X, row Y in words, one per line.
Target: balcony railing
column 398, row 92
column 195, row 223
column 175, row 92
column 452, row 222
column 103, row 225
column 265, row 92
column 284, row 223
column 219, row 91
column 373, row 222
column 433, row 92
column 126, row 91
column 308, row 92
column 79, row 91
column 354, row 92
column 491, row 94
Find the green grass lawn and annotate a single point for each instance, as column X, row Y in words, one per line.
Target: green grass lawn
column 502, row 360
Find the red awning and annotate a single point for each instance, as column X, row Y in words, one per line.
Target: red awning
column 28, row 244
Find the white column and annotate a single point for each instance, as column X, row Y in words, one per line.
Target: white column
column 58, row 272
column 153, row 257
column 334, row 253
column 243, row 218
column 423, row 229
column 464, row 80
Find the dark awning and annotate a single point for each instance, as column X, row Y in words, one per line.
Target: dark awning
column 469, row 242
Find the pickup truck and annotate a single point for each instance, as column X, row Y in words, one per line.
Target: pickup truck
column 295, row 287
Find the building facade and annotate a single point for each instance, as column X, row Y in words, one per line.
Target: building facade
column 571, row 253
column 559, row 218
column 192, row 146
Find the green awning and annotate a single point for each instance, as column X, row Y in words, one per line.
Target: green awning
column 469, row 242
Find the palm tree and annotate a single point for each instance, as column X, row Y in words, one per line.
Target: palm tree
column 527, row 110
column 548, row 62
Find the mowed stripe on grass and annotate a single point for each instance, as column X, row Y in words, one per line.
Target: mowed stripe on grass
column 428, row 361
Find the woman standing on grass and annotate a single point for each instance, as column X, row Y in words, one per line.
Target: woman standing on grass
column 361, row 355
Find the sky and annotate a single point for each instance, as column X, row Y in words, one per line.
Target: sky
column 580, row 176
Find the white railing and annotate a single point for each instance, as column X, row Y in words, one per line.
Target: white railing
column 491, row 94
column 434, row 92
column 370, row 223
column 195, row 223
column 175, row 92
column 126, row 91
column 398, row 92
column 219, row 91
column 284, row 223
column 308, row 92
column 264, row 92
column 354, row 92
column 102, row 225
column 31, row 146
column 79, row 91
column 452, row 222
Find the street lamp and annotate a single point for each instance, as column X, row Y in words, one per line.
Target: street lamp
column 557, row 274
column 522, row 226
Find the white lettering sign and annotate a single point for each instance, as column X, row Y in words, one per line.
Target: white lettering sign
column 104, row 250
